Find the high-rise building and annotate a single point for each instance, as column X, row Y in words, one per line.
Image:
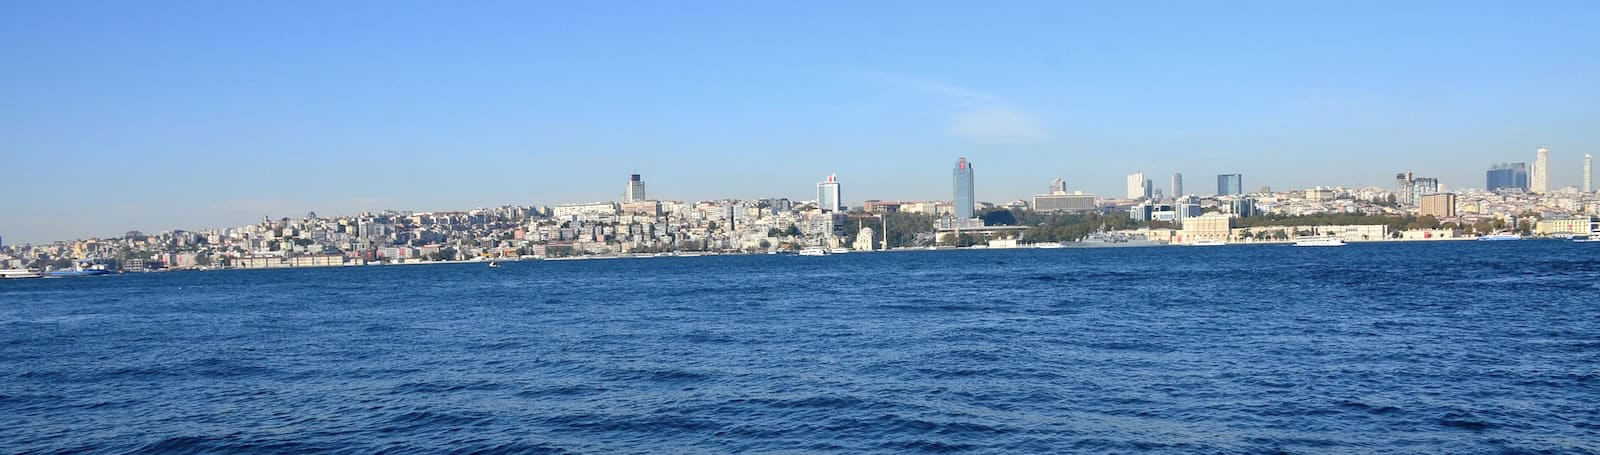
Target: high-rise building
column 1058, row 200
column 1541, row 172
column 1507, row 176
column 1440, row 205
column 1230, row 184
column 828, row 197
column 1588, row 168
column 965, row 203
column 1403, row 188
column 1138, row 186
column 1243, row 207
column 1423, row 186
column 1177, row 185
column 635, row 190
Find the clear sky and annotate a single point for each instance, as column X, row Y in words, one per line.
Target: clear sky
column 124, row 115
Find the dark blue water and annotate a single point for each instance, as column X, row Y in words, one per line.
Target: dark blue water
column 1428, row 347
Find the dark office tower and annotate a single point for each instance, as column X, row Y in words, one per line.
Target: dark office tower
column 1507, row 176
column 1230, row 184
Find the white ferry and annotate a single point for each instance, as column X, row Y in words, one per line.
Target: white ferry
column 1500, row 236
column 1318, row 240
column 13, row 274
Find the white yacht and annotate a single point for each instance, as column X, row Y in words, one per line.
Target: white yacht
column 1318, row 240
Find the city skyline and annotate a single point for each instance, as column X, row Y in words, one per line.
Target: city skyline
column 1410, row 192
column 159, row 116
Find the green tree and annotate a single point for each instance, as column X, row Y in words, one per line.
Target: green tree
column 999, row 217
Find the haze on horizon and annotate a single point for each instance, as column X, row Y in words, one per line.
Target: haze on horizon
column 163, row 115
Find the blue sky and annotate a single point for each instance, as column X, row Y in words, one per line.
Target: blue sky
column 160, row 115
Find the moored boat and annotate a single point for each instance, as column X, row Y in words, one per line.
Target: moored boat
column 77, row 272
column 15, row 274
column 1318, row 240
column 1498, row 236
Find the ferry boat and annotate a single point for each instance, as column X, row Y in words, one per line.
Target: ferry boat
column 16, row 274
column 813, row 251
column 1318, row 240
column 1207, row 242
column 1500, row 236
column 77, row 272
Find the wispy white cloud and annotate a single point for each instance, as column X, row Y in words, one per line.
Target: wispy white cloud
column 934, row 87
column 996, row 126
column 986, row 118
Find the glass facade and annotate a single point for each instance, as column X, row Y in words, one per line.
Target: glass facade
column 828, row 197
column 1507, row 176
column 1230, row 184
column 964, row 202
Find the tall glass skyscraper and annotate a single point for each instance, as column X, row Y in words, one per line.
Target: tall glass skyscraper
column 964, row 202
column 1541, row 171
column 1230, row 184
column 1507, row 176
column 828, row 197
column 1588, row 168
column 635, row 189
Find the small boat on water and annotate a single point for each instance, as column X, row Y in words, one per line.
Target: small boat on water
column 77, row 273
column 1318, row 240
column 813, row 251
column 1498, row 236
column 17, row 274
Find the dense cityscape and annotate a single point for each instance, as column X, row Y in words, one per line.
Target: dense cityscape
column 1516, row 199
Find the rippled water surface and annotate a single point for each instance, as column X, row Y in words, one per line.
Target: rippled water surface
column 1435, row 347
